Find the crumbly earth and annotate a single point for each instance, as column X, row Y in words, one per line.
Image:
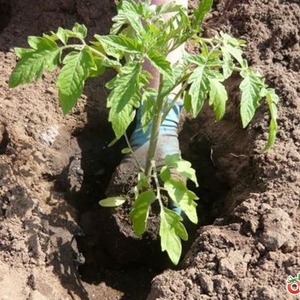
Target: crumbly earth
column 57, row 243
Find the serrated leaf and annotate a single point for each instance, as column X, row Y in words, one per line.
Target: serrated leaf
column 198, row 60
column 251, row 95
column 182, row 166
column 105, row 51
column 168, row 82
column 80, row 30
column 232, row 41
column 123, row 98
column 112, row 201
column 198, row 89
column 71, row 79
column 21, row 52
column 61, row 34
column 129, row 9
column 33, row 64
column 41, row 43
column 140, row 211
column 165, row 173
column 170, row 231
column 161, row 64
column 182, row 197
column 172, row 159
column 227, row 65
column 176, row 29
column 213, row 74
column 118, row 22
column 200, row 12
column 120, row 42
column 272, row 100
column 235, row 52
column 148, row 110
column 99, row 68
column 171, row 7
column 217, row 97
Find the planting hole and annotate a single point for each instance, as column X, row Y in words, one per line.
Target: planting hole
column 100, row 242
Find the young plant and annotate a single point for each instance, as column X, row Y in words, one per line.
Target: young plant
column 140, row 33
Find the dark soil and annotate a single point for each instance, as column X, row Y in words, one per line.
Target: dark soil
column 55, row 240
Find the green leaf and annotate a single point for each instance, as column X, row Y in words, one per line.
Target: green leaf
column 235, row 52
column 176, row 30
column 130, row 10
column 62, row 35
column 140, row 211
column 21, row 52
column 230, row 40
column 182, row 166
column 143, row 182
column 231, row 46
column 183, row 198
column 120, row 42
column 198, row 89
column 41, row 43
column 251, row 95
column 217, row 97
column 165, row 8
column 272, row 100
column 123, row 98
column 168, row 82
column 106, row 50
column 187, row 102
column 160, row 63
column 80, row 30
column 227, row 65
column 126, row 151
column 198, row 59
column 71, row 79
column 199, row 13
column 170, row 231
column 98, row 69
column 165, row 173
column 148, row 109
column 112, row 201
column 33, row 64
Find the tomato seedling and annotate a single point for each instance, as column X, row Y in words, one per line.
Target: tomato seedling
column 140, row 33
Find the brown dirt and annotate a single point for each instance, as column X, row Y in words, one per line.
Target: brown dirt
column 57, row 243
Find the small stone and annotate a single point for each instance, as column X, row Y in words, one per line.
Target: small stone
column 234, row 265
column 277, row 230
column 296, row 134
column 288, row 246
column 206, row 283
column 260, row 247
column 49, row 135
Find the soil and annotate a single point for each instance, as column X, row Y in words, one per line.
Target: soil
column 55, row 240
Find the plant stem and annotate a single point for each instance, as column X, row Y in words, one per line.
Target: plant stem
column 169, row 107
column 155, row 130
column 158, row 188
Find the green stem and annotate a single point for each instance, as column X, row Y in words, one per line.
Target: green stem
column 158, row 188
column 169, row 107
column 155, row 130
